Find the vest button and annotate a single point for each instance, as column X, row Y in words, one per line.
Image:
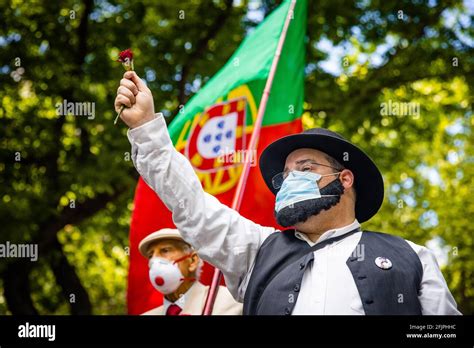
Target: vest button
column 287, row 311
column 296, row 288
column 369, row 301
column 301, row 265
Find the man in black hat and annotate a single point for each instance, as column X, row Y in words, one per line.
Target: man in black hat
column 324, row 187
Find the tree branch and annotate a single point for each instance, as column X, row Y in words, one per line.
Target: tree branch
column 200, row 49
column 71, row 216
column 16, row 286
column 70, row 284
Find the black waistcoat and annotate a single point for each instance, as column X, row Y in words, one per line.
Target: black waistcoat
column 283, row 258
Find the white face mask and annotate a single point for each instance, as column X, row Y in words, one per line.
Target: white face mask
column 165, row 275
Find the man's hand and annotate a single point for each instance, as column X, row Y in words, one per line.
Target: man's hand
column 137, row 97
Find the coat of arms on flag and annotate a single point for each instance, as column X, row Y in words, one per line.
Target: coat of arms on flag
column 218, row 136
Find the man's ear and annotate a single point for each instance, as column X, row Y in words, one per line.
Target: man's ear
column 347, row 178
column 194, row 262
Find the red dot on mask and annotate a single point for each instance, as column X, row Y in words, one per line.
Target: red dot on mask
column 159, row 281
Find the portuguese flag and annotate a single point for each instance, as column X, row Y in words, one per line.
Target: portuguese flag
column 213, row 131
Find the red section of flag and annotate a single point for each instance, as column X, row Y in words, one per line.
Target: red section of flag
column 150, row 215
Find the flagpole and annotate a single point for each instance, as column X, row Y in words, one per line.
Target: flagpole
column 252, row 148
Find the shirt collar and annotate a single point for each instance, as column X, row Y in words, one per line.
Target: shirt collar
column 329, row 234
column 180, row 302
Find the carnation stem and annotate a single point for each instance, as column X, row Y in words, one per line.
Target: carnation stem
column 118, row 115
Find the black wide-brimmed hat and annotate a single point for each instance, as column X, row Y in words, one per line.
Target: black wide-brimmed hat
column 367, row 177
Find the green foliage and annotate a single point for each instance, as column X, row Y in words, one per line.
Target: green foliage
column 74, row 181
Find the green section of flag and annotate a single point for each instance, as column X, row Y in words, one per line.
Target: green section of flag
column 252, row 61
column 287, row 93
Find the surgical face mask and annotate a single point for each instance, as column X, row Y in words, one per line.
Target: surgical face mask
column 165, row 275
column 302, row 211
column 297, row 187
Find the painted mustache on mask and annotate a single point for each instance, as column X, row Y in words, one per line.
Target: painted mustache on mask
column 302, row 211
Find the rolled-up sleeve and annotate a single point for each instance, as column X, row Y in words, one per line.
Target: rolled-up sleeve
column 219, row 234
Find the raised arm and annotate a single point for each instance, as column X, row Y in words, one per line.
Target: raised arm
column 220, row 235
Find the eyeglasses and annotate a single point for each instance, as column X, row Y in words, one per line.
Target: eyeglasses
column 306, row 166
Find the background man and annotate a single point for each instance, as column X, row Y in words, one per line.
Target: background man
column 174, row 271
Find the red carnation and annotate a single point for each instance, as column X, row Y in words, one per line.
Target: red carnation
column 126, row 58
column 125, row 54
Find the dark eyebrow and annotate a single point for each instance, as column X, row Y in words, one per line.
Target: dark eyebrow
column 299, row 162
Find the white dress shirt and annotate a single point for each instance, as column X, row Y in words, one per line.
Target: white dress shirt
column 180, row 302
column 230, row 242
column 328, row 286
